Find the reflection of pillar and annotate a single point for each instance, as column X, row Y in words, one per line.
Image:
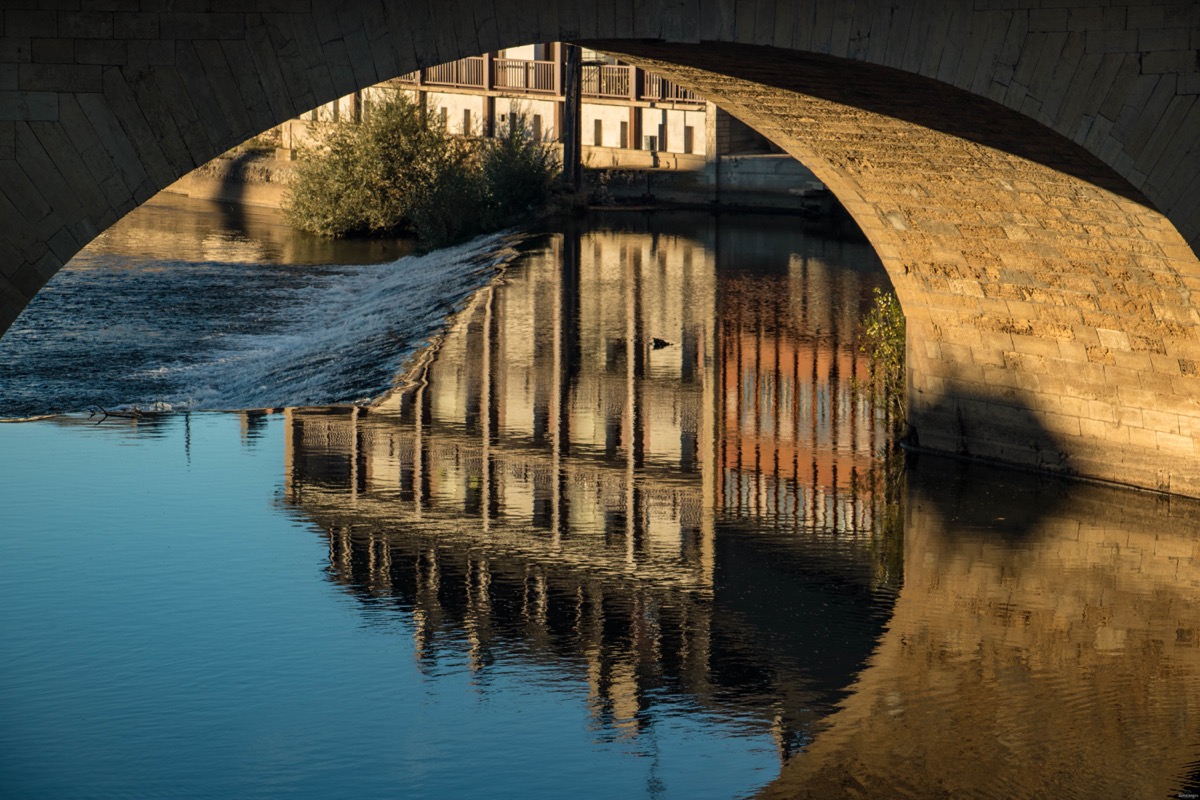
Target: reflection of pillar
column 757, row 399
column 777, row 331
column 289, row 456
column 710, row 465
column 354, row 465
column 566, row 339
column 485, row 401
column 419, row 449
column 629, row 426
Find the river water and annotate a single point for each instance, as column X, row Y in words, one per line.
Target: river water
column 596, row 512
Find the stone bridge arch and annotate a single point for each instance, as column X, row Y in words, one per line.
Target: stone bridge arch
column 1029, row 176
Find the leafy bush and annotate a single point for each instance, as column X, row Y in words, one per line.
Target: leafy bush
column 394, row 173
column 359, row 180
column 884, row 341
column 518, row 171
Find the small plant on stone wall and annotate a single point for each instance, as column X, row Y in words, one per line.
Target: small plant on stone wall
column 883, row 340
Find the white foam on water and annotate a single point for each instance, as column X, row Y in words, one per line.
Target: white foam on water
column 224, row 336
column 343, row 339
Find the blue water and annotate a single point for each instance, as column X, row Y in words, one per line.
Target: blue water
column 169, row 631
column 625, row 532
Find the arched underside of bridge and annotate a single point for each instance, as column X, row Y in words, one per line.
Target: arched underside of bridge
column 1049, row 307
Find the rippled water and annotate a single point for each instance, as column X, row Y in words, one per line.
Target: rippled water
column 175, row 308
column 624, row 533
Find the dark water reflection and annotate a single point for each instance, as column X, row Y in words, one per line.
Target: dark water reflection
column 635, row 492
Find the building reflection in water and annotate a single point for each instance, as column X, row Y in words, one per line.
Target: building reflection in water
column 640, row 460
column 619, row 456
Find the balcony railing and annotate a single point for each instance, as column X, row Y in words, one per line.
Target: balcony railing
column 606, row 80
column 656, row 87
column 524, row 76
column 603, row 81
column 466, row 72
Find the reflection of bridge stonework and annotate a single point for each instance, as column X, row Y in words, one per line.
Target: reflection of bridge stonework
column 1074, row 631
column 1029, row 176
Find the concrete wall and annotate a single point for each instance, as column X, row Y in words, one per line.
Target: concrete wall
column 1029, row 172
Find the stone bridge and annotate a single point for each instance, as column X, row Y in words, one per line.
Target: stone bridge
column 1030, row 177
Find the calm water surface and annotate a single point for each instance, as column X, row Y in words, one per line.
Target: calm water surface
column 624, row 532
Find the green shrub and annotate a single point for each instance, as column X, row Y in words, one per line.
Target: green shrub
column 393, row 173
column 447, row 196
column 884, row 341
column 518, row 171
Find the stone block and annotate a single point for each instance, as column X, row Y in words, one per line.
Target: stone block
column 1142, row 437
column 28, row 105
column 1189, row 425
column 59, row 157
column 225, row 89
column 1169, row 61
column 1102, row 412
column 1060, row 424
column 203, row 26
column 187, row 6
column 1174, row 443
column 107, row 52
column 52, row 51
column 150, row 52
column 28, row 280
column 1083, row 18
column 1036, row 346
column 8, row 77
column 63, row 246
column 30, row 23
column 106, row 123
column 60, row 78
column 136, row 25
column 251, row 86
column 1048, row 19
column 285, row 6
column 1111, row 41
column 1150, row 40
column 1140, row 17
column 8, row 145
column 1104, row 431
column 85, row 24
column 16, row 50
column 109, row 5
column 1160, row 421
column 1130, row 417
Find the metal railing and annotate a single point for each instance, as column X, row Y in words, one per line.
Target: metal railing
column 522, row 75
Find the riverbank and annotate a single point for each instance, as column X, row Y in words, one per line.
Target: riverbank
column 761, row 182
